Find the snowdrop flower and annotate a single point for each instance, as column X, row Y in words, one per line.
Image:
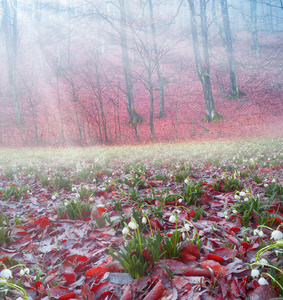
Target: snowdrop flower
column 187, row 226
column 6, row 274
column 265, row 185
column 180, row 200
column 183, row 235
column 54, row 197
column 273, row 180
column 255, row 273
column 234, row 211
column 242, row 194
column 24, row 271
column 246, row 199
column 125, row 230
column 144, row 220
column 263, row 262
column 258, row 232
column 186, row 181
column 133, row 224
column 277, row 235
column 237, row 197
column 262, row 281
column 173, row 219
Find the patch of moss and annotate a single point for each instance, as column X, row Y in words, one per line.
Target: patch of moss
column 237, row 95
column 216, row 118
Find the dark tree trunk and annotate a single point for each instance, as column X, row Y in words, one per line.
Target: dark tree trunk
column 157, row 63
column 229, row 50
column 203, row 69
column 135, row 118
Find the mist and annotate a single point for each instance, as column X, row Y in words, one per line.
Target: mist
column 82, row 72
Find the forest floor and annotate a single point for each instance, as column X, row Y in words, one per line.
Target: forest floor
column 176, row 221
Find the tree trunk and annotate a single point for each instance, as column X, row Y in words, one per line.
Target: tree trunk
column 203, row 69
column 229, row 50
column 10, row 26
column 158, row 70
column 255, row 43
column 135, row 118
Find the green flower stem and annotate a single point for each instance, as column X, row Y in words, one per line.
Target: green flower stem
column 16, row 287
column 274, row 280
column 267, row 265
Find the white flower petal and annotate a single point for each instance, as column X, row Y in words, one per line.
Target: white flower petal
column 255, row 273
column 173, row 219
column 277, row 235
column 262, row 281
column 6, row 273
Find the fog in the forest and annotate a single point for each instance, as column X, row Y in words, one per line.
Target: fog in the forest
column 91, row 72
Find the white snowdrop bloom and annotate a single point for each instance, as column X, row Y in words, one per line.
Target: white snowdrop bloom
column 48, row 178
column 262, row 281
column 6, row 274
column 180, row 200
column 133, row 225
column 187, row 226
column 258, row 232
column 242, row 194
column 246, row 199
column 277, row 235
column 234, row 211
column 226, row 217
column 125, row 230
column 237, row 197
column 255, row 273
column 186, row 181
column 173, row 219
column 24, row 271
column 177, row 211
column 74, row 189
column 144, row 220
column 273, row 180
column 183, row 235
column 66, row 203
column 263, row 262
column 265, row 185
column 53, row 197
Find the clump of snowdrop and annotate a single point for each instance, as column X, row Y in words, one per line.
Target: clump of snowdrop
column 24, row 271
column 258, row 232
column 133, row 224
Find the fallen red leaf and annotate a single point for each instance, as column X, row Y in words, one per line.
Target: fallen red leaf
column 215, row 266
column 156, row 292
column 98, row 271
column 127, row 295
